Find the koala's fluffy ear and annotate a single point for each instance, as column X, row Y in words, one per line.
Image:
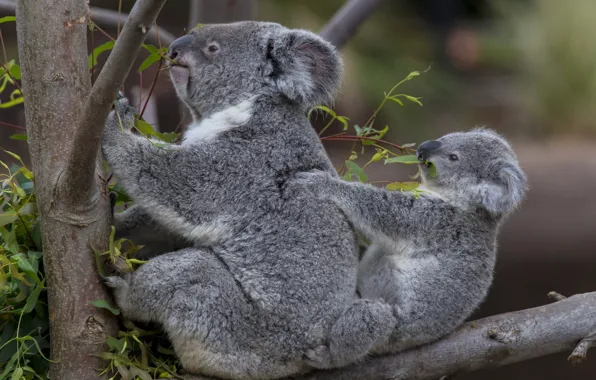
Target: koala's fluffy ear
column 304, row 67
column 504, row 195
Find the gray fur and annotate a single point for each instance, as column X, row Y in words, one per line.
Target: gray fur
column 271, row 270
column 432, row 257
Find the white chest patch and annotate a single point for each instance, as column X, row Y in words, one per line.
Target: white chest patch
column 209, row 128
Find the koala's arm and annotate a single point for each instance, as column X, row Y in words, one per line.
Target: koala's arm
column 378, row 213
column 153, row 175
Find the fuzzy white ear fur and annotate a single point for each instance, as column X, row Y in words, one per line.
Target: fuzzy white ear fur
column 505, row 195
column 304, row 67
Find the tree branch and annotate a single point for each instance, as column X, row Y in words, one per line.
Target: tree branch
column 81, row 169
column 490, row 342
column 344, row 24
column 106, row 18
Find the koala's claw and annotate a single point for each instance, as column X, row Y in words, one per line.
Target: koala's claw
column 122, row 117
column 318, row 357
column 116, row 282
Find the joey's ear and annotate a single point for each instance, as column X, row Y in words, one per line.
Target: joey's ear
column 304, row 67
column 503, row 195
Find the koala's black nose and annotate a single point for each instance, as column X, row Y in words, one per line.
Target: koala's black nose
column 427, row 148
column 179, row 45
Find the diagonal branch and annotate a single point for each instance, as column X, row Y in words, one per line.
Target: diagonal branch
column 106, row 18
column 80, row 169
column 344, row 24
column 490, row 342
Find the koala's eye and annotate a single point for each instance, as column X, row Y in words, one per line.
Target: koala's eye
column 212, row 48
column 453, row 157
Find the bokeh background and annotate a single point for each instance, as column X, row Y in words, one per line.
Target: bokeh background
column 525, row 68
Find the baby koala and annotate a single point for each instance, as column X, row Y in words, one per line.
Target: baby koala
column 433, row 254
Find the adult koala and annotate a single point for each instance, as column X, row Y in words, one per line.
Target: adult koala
column 433, row 253
column 272, row 270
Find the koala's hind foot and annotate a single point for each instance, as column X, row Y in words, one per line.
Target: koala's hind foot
column 363, row 325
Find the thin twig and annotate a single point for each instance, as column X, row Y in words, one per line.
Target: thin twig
column 12, row 125
column 361, row 138
column 152, row 87
column 3, row 47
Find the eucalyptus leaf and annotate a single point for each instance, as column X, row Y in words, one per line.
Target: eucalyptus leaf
column 408, row 159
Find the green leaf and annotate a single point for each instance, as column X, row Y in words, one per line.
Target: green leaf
column 144, row 128
column 13, row 155
column 152, row 58
column 103, row 304
column 344, row 121
column 412, row 75
column 356, row 170
column 15, row 71
column 97, row 51
column 402, row 186
column 13, row 102
column 409, row 159
column 432, row 170
column 17, row 374
column 357, row 129
column 377, row 156
column 7, row 218
column 396, row 100
column 150, row 48
column 10, row 240
column 32, row 299
column 26, row 267
column 7, row 19
column 18, row 136
column 327, row 110
column 413, row 99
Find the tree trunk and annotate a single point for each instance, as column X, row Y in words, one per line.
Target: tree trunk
column 55, row 79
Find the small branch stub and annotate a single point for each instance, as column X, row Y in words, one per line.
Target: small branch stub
column 580, row 352
column 555, row 296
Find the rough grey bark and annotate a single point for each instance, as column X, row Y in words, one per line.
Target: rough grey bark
column 107, row 18
column 64, row 125
column 490, row 342
column 52, row 39
column 344, row 24
column 80, row 171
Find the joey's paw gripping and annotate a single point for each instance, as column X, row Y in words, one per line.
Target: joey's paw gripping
column 123, row 114
column 319, row 357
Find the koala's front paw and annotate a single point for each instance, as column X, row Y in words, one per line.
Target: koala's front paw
column 122, row 117
column 119, row 287
column 319, row 357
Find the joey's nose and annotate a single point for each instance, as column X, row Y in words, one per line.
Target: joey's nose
column 180, row 45
column 426, row 149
